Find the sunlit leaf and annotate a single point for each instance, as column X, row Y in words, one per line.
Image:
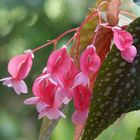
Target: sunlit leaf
column 138, row 134
column 117, row 88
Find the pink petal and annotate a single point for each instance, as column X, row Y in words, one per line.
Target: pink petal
column 6, row 78
column 90, row 61
column 19, row 86
column 56, row 81
column 69, row 92
column 122, row 39
column 41, row 78
column 63, row 95
column 20, row 66
column 68, row 78
column 31, row 101
column 81, row 79
column 59, row 97
column 129, row 54
column 82, row 96
column 59, row 62
column 46, row 91
column 7, row 81
column 79, row 117
column 51, row 113
column 41, row 106
column 94, row 67
column 36, row 87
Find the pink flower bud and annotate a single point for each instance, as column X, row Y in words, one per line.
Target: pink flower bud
column 90, row 61
column 123, row 41
column 59, row 62
column 129, row 53
column 19, row 67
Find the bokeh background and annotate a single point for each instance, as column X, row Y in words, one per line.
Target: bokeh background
column 26, row 24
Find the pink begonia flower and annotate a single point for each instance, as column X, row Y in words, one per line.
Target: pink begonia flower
column 64, row 81
column 64, row 94
column 68, row 82
column 52, row 78
column 46, row 99
column 82, row 96
column 123, row 41
column 19, row 68
column 89, row 63
column 59, row 62
column 68, row 78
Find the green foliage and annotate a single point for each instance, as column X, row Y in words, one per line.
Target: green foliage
column 138, row 134
column 117, row 89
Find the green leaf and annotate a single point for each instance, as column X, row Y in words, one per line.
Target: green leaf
column 138, row 134
column 116, row 90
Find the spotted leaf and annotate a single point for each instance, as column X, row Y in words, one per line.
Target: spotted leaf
column 116, row 90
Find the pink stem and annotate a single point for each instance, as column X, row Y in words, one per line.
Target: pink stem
column 70, row 41
column 55, row 40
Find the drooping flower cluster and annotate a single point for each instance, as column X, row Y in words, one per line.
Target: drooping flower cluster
column 62, row 81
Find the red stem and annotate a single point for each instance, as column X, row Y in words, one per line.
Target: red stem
column 42, row 46
column 78, row 30
column 70, row 41
column 55, row 40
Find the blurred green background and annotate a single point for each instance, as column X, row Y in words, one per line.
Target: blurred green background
column 27, row 24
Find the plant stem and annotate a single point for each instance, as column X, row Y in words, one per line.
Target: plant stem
column 47, row 128
column 55, row 40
